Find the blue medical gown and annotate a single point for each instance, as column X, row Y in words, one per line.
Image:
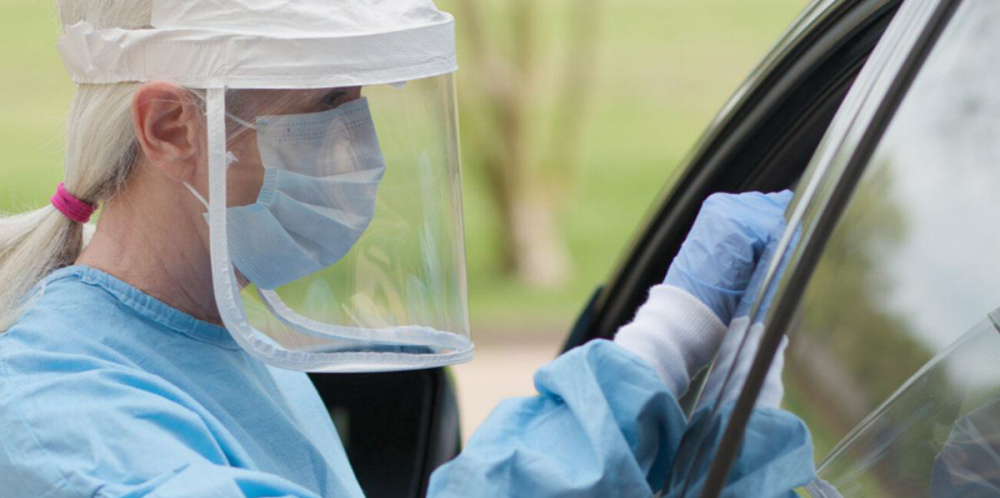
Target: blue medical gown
column 106, row 391
column 775, row 457
column 604, row 425
column 620, row 437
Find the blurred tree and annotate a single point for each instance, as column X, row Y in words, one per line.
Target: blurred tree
column 847, row 308
column 854, row 349
column 505, row 43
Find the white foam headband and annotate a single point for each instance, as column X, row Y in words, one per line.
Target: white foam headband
column 206, row 58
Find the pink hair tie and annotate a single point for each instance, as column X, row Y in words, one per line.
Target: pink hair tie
column 74, row 209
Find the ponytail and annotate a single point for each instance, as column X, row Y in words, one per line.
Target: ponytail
column 32, row 245
column 101, row 151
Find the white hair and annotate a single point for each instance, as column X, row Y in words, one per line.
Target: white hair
column 101, row 150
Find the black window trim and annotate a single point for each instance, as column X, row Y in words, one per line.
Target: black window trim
column 789, row 65
column 799, row 275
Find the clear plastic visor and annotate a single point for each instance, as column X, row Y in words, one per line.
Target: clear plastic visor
column 343, row 244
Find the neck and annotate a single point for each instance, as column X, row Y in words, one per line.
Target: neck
column 157, row 242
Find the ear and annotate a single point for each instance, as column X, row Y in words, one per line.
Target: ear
column 168, row 124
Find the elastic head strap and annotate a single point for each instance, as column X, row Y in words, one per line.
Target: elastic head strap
column 71, row 207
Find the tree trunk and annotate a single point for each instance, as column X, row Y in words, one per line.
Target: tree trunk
column 541, row 255
column 496, row 113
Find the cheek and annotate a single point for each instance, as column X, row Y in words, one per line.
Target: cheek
column 246, row 176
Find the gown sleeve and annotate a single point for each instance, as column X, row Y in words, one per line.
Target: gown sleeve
column 139, row 440
column 603, row 424
column 774, row 459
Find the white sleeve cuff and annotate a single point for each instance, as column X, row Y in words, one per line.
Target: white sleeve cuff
column 674, row 333
column 739, row 361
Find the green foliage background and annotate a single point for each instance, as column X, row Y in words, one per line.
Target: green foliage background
column 664, row 68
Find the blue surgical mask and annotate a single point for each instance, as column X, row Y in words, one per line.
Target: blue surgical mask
column 321, row 175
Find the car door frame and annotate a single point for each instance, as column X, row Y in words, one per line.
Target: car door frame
column 775, row 120
column 762, row 140
column 792, row 285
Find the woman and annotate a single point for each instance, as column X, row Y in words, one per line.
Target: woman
column 238, row 172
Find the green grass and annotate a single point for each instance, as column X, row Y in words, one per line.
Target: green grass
column 664, row 69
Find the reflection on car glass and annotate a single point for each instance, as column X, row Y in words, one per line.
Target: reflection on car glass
column 937, row 436
column 909, row 266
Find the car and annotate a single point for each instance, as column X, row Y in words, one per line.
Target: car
column 882, row 115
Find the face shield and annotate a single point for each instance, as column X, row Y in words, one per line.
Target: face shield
column 334, row 199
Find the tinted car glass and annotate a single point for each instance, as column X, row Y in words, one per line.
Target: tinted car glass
column 895, row 319
column 822, row 195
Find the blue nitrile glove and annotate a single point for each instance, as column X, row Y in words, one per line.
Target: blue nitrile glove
column 739, row 348
column 757, row 280
column 718, row 257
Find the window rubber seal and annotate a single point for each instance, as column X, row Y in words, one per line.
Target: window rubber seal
column 799, row 275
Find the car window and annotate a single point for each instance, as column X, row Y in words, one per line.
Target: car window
column 898, row 305
column 761, row 140
column 937, row 436
column 856, row 337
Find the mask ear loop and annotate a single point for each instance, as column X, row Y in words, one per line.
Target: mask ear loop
column 230, row 157
column 241, row 121
column 224, row 283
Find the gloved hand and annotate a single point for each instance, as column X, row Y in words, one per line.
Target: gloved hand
column 739, row 348
column 680, row 327
column 757, row 280
column 722, row 249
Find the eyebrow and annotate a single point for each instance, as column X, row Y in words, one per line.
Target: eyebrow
column 336, row 93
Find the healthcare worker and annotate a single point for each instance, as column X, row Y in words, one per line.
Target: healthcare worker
column 279, row 193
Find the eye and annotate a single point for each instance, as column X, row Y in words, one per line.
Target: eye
column 333, row 98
